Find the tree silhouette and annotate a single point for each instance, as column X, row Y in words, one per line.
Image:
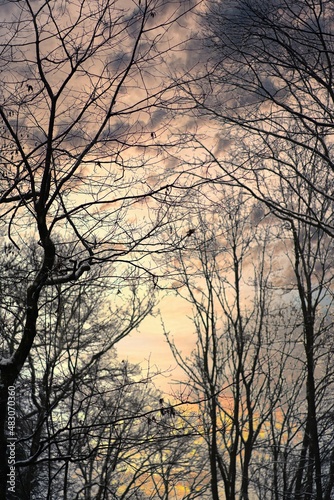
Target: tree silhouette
column 82, row 85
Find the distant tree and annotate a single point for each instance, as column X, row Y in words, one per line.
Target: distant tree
column 262, row 367
column 236, row 367
column 313, row 264
column 300, row 434
column 178, row 469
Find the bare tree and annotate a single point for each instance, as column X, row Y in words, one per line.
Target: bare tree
column 268, row 88
column 262, row 295
column 300, row 434
column 82, row 99
column 177, row 462
column 237, row 366
column 313, row 262
column 72, row 373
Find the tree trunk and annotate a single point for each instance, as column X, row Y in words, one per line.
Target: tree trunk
column 314, row 454
column 213, row 452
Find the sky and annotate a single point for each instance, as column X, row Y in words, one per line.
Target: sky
column 148, row 343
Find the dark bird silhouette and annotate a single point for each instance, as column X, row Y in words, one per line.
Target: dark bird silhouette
column 190, row 232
